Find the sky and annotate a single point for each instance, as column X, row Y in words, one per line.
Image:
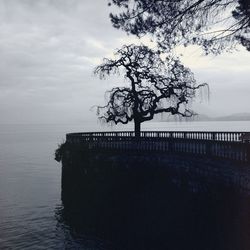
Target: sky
column 49, row 49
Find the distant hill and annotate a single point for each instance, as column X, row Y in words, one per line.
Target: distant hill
column 202, row 117
column 234, row 117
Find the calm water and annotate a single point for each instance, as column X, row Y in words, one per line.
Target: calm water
column 30, row 204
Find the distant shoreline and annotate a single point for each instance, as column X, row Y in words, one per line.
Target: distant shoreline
column 205, row 118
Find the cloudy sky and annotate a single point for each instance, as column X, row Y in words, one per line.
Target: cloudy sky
column 48, row 49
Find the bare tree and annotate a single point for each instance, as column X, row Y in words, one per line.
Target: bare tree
column 214, row 24
column 154, row 86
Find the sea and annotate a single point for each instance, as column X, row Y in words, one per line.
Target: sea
column 30, row 182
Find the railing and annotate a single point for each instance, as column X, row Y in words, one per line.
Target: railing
column 196, row 135
column 228, row 145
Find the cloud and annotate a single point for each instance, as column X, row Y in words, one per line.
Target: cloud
column 48, row 51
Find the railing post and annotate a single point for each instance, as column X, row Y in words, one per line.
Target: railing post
column 171, row 146
column 213, row 136
column 170, row 135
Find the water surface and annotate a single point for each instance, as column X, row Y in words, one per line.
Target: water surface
column 30, row 183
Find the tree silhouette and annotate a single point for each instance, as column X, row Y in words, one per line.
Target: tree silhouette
column 155, row 86
column 214, row 24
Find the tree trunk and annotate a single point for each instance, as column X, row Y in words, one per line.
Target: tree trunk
column 137, row 128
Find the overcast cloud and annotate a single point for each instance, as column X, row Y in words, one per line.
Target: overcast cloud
column 48, row 49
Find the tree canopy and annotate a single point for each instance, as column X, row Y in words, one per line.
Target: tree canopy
column 214, row 24
column 154, row 86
